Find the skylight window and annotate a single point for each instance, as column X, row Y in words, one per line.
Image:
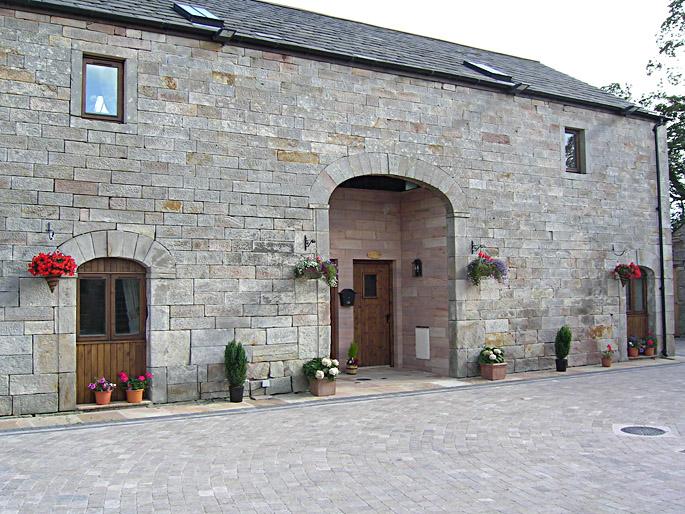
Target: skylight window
column 198, row 14
column 488, row 70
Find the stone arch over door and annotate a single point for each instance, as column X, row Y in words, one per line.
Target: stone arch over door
column 426, row 175
column 161, row 280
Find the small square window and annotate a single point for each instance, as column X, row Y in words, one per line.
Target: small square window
column 103, row 88
column 370, row 286
column 574, row 148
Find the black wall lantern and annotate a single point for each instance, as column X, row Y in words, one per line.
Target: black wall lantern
column 418, row 268
column 347, row 297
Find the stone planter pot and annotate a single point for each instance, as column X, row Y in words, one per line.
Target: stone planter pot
column 493, row 371
column 606, row 362
column 103, row 397
column 649, row 352
column 323, row 387
column 633, row 352
column 134, row 395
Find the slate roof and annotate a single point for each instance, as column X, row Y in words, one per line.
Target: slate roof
column 277, row 26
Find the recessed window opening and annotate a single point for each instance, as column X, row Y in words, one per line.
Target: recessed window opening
column 103, row 88
column 574, row 150
column 198, row 14
column 488, row 70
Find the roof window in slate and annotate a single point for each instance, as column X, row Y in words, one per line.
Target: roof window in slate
column 488, row 70
column 198, row 14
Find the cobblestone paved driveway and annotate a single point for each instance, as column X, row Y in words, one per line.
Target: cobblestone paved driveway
column 546, row 446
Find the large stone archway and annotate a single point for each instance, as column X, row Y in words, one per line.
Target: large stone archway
column 428, row 176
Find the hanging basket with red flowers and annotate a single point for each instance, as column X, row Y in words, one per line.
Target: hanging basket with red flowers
column 626, row 272
column 52, row 266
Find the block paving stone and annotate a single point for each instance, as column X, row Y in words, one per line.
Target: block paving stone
column 543, row 446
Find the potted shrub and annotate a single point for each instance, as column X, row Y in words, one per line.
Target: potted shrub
column 103, row 390
column 235, row 363
column 562, row 347
column 633, row 347
column 52, row 266
column 321, row 373
column 135, row 386
column 650, row 346
column 317, row 267
column 607, row 356
column 485, row 266
column 352, row 364
column 492, row 363
column 626, row 272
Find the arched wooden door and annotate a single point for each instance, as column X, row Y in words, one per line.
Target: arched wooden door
column 636, row 307
column 110, row 323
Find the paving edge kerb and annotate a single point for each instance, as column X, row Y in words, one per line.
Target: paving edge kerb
column 309, row 404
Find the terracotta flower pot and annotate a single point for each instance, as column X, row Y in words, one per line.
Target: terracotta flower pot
column 633, row 352
column 322, row 387
column 493, row 371
column 103, row 397
column 134, row 395
column 606, row 362
column 52, row 282
column 650, row 351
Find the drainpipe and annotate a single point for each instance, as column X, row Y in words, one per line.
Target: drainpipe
column 664, row 351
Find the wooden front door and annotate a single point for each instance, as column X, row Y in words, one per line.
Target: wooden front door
column 110, row 323
column 636, row 307
column 373, row 312
column 335, row 344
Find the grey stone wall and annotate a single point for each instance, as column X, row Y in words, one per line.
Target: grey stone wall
column 214, row 164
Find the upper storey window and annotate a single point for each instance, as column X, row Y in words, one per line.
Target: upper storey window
column 103, row 88
column 574, row 148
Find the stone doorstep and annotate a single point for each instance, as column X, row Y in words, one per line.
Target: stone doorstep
column 94, row 407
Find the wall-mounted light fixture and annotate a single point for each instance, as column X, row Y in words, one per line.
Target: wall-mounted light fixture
column 50, row 232
column 417, row 268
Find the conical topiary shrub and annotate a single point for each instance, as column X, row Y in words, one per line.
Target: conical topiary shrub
column 562, row 347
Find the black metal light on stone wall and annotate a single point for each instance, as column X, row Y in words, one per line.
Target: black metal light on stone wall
column 418, row 268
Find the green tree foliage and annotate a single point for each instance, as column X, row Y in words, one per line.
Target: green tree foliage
column 235, row 362
column 562, row 343
column 667, row 71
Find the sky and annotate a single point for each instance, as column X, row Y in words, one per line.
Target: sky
column 597, row 41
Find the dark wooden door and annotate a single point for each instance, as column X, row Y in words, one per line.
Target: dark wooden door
column 373, row 312
column 335, row 342
column 636, row 307
column 110, row 323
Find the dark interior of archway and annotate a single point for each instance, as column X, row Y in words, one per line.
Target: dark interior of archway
column 379, row 183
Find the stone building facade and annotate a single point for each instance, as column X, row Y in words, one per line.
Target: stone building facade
column 229, row 156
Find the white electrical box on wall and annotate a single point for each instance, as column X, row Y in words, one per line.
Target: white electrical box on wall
column 423, row 348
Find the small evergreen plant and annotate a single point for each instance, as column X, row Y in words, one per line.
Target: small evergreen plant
column 562, row 343
column 352, row 353
column 235, row 362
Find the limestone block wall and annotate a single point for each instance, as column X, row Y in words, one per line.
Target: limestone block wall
column 226, row 159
